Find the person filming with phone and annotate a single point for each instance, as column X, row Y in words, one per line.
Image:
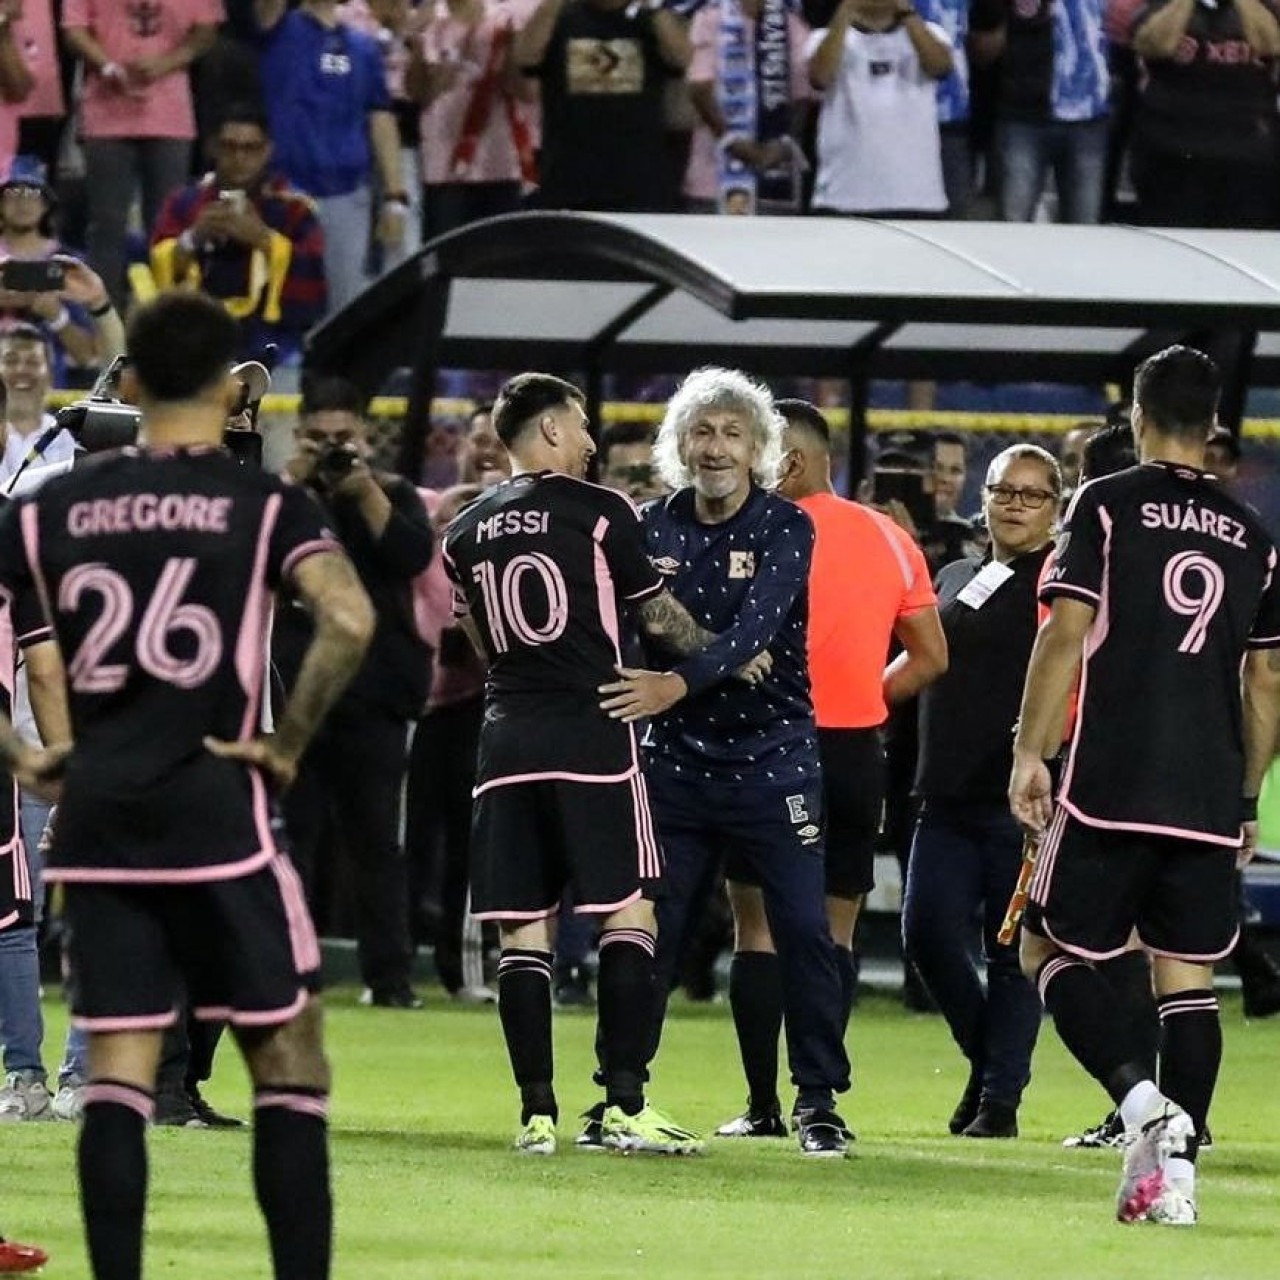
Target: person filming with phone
column 246, row 237
column 43, row 285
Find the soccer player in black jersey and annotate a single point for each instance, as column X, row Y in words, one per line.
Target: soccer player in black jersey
column 156, row 567
column 1166, row 585
column 542, row 564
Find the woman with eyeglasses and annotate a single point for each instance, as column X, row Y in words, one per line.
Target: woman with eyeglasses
column 967, row 848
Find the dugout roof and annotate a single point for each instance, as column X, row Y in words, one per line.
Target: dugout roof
column 852, row 298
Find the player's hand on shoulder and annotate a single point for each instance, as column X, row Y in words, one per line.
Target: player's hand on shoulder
column 638, row 695
column 754, row 671
column 1248, row 844
column 1030, row 792
column 260, row 752
column 40, row 770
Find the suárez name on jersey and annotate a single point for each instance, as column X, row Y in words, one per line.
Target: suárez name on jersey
column 1181, row 517
column 512, row 522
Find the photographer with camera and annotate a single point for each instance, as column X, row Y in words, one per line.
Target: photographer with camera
column 247, row 237
column 353, row 771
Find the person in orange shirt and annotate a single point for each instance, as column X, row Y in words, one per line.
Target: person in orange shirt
column 868, row 582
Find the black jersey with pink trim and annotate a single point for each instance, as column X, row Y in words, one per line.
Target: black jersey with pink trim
column 1183, row 578
column 543, row 563
column 21, row 625
column 156, row 572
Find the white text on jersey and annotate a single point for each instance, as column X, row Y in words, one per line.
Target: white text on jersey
column 1188, row 516
column 512, row 522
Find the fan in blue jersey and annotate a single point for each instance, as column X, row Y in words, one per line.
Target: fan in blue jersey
column 733, row 768
column 1164, row 595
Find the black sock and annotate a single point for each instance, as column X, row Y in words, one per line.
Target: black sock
column 848, row 983
column 1130, row 977
column 1190, row 1053
column 624, row 994
column 291, row 1178
column 113, row 1176
column 755, row 996
column 524, row 1005
column 1091, row 1022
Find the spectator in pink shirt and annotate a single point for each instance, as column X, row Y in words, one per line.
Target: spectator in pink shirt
column 137, row 118
column 478, row 122
column 749, row 86
column 15, row 82
column 45, row 109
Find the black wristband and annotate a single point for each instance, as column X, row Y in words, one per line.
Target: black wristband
column 1248, row 808
column 98, row 312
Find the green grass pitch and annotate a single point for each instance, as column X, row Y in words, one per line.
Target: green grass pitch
column 426, row 1186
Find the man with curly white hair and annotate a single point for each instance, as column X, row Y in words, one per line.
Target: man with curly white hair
column 733, row 767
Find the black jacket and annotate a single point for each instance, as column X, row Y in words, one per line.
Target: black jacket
column 967, row 716
column 396, row 672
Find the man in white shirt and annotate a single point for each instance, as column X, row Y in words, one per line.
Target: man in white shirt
column 24, row 371
column 879, row 150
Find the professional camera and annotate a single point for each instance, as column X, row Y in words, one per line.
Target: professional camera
column 335, row 463
column 103, row 421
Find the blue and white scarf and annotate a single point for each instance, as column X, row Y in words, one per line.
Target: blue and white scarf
column 753, row 89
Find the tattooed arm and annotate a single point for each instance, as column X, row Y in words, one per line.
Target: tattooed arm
column 665, row 620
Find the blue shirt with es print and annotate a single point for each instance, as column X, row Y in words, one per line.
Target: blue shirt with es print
column 320, row 84
column 746, row 579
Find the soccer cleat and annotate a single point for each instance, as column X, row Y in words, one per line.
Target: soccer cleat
column 592, row 1136
column 1175, row 1206
column 538, row 1137
column 1164, row 1132
column 647, row 1130
column 174, row 1111
column 823, row 1135
column 755, row 1124
column 20, row 1259
column 1107, row 1133
column 68, row 1102
column 207, row 1115
column 400, row 997
column 25, row 1096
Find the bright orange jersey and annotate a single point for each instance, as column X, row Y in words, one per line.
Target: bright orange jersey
column 865, row 575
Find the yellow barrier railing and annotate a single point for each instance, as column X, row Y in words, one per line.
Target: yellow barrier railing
column 878, row 419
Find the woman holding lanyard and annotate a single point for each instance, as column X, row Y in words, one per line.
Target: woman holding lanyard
column 967, row 849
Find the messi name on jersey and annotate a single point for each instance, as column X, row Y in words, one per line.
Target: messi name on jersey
column 506, row 522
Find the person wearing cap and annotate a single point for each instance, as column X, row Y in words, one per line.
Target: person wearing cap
column 244, row 235
column 78, row 318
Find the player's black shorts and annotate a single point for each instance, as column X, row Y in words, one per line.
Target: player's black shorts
column 242, row 951
column 853, row 790
column 532, row 840
column 1092, row 886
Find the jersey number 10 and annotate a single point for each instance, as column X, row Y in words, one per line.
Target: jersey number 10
column 504, row 612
